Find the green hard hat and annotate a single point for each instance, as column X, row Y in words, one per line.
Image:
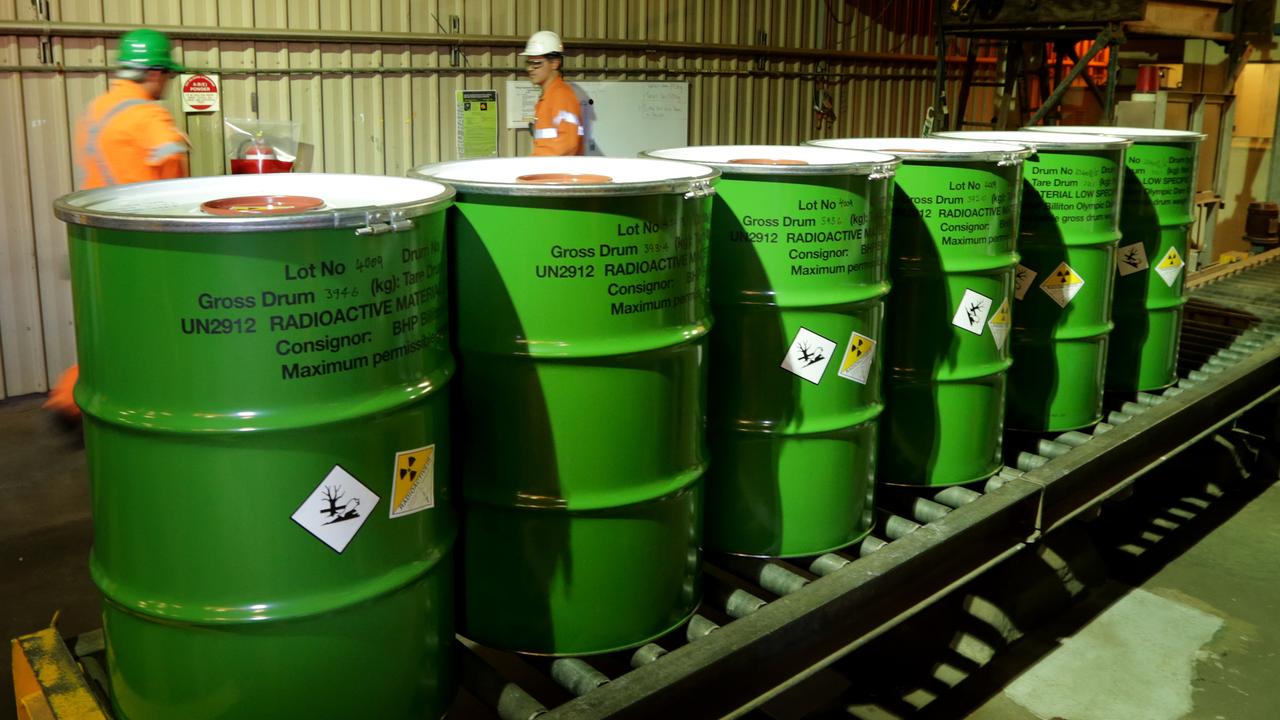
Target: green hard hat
column 144, row 49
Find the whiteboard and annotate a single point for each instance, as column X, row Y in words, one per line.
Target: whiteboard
column 621, row 119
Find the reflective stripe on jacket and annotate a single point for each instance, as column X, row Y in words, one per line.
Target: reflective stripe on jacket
column 557, row 125
column 126, row 137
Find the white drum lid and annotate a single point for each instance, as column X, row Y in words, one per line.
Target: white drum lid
column 176, row 205
column 573, row 176
column 1136, row 134
column 933, row 149
column 1042, row 141
column 781, row 159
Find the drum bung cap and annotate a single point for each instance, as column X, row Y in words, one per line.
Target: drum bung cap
column 565, row 179
column 261, row 205
column 767, row 161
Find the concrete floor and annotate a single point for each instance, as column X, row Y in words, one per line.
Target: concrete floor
column 1183, row 625
column 45, row 530
column 1198, row 640
column 1165, row 607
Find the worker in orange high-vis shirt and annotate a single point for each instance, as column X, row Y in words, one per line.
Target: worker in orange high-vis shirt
column 126, row 136
column 557, row 124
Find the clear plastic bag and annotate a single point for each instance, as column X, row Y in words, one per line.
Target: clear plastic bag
column 261, row 146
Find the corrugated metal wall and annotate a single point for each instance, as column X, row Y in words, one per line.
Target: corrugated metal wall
column 399, row 112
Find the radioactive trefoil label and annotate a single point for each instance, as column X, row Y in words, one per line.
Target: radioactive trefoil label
column 972, row 312
column 1131, row 259
column 336, row 510
column 1062, row 284
column 999, row 324
column 413, row 483
column 808, row 356
column 858, row 356
column 1170, row 267
column 1023, row 276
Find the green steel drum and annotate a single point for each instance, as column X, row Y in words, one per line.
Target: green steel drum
column 581, row 316
column 947, row 321
column 1065, row 278
column 798, row 279
column 263, row 369
column 1155, row 219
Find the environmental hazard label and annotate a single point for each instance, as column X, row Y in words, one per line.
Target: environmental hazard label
column 1062, row 284
column 413, row 486
column 973, row 311
column 1022, row 278
column 337, row 509
column 1170, row 266
column 999, row 324
column 808, row 356
column 856, row 365
column 1131, row 259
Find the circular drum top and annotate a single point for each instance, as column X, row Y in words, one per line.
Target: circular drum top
column 1042, row 141
column 933, row 149
column 781, row 159
column 578, row 176
column 1136, row 134
column 322, row 201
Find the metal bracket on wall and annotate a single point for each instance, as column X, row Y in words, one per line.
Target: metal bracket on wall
column 455, row 52
column 456, row 58
column 46, row 42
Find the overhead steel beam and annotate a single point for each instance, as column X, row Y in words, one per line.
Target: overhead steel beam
column 1108, row 37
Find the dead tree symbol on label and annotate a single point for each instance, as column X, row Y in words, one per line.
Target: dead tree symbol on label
column 973, row 311
column 1131, row 258
column 339, row 513
column 808, row 356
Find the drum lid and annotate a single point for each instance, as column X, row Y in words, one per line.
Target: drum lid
column 781, row 159
column 625, row 176
column 1136, row 134
column 934, row 149
column 319, row 201
column 1043, row 141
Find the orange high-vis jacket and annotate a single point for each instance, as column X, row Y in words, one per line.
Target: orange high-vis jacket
column 557, row 124
column 126, row 137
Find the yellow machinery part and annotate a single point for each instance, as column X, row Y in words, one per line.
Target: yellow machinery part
column 47, row 681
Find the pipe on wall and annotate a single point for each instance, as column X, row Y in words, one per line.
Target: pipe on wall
column 187, row 32
column 488, row 69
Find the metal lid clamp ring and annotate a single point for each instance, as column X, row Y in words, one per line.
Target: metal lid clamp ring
column 381, row 222
column 700, row 189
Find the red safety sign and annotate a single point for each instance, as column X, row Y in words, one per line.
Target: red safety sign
column 199, row 93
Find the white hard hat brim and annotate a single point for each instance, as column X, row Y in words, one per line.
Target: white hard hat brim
column 543, row 42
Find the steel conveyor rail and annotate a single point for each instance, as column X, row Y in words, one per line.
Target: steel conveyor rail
column 767, row 625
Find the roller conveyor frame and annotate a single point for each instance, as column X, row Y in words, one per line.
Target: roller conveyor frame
column 938, row 538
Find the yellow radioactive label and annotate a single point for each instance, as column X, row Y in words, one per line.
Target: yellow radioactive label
column 858, row 355
column 1172, row 260
column 999, row 324
column 1002, row 315
column 1062, row 276
column 413, row 485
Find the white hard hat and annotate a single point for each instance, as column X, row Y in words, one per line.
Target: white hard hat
column 543, row 42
